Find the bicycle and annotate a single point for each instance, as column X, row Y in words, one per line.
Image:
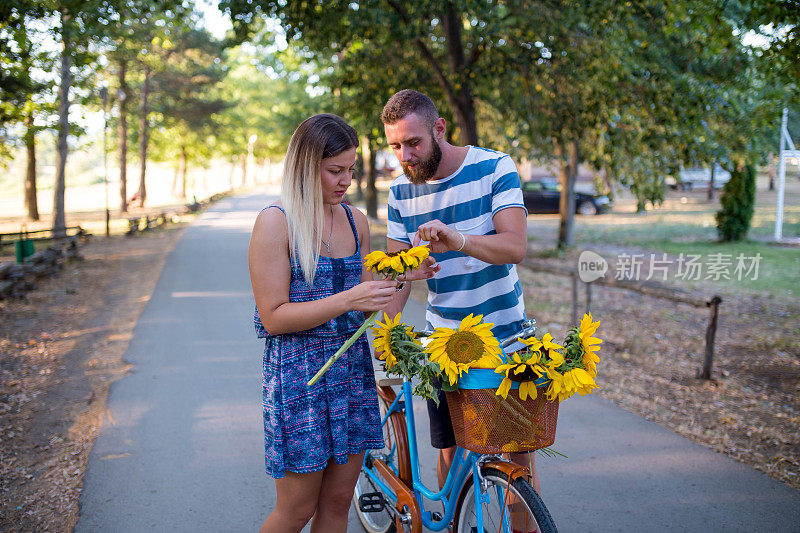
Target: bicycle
column 389, row 495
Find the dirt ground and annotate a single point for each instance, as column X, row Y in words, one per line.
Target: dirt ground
column 653, row 351
column 60, row 349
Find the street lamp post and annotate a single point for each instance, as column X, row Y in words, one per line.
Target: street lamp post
column 104, row 96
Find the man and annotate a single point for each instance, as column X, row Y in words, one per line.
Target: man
column 467, row 202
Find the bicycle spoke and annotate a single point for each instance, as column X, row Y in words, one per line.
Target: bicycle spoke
column 512, row 507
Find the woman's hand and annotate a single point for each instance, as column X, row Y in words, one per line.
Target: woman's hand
column 371, row 295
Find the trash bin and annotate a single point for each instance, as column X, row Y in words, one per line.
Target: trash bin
column 24, row 246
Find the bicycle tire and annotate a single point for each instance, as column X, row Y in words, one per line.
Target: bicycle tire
column 383, row 521
column 520, row 488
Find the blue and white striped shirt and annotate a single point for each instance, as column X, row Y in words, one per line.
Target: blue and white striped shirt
column 486, row 182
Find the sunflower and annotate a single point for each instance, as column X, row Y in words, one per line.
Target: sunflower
column 385, row 333
column 524, row 371
column 471, row 345
column 385, row 263
column 555, row 387
column 549, row 345
column 580, row 381
column 413, row 257
column 589, row 344
column 396, row 263
column 532, row 342
column 373, row 258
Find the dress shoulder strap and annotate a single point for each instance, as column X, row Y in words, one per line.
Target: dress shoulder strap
column 275, row 205
column 352, row 226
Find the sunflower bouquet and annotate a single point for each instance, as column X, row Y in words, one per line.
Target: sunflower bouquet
column 449, row 353
column 541, row 375
column 401, row 351
column 468, row 364
column 391, row 265
column 563, row 370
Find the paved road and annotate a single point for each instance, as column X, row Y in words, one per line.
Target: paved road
column 181, row 448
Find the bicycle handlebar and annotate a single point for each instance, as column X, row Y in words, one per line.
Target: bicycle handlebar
column 528, row 329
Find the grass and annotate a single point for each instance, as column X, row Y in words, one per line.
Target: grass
column 778, row 269
column 685, row 224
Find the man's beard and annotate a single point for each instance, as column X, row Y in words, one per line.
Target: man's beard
column 425, row 168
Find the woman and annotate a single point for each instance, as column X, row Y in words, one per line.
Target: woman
column 311, row 291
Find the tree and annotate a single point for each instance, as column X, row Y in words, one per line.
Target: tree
column 635, row 89
column 186, row 99
column 359, row 96
column 448, row 39
column 268, row 93
column 21, row 96
column 81, row 22
column 132, row 40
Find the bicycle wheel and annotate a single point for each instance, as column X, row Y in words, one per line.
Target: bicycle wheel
column 378, row 521
column 513, row 507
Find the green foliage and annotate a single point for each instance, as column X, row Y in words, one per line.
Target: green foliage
column 738, row 201
column 413, row 362
column 438, row 44
column 269, row 90
column 21, row 93
column 186, row 94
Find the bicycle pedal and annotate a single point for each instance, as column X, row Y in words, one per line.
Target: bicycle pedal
column 371, row 502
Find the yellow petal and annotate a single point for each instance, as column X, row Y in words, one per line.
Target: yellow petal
column 469, row 321
column 504, row 387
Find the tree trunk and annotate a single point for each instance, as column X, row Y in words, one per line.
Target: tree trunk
column 123, row 137
column 711, row 181
column 31, row 203
column 459, row 97
column 456, row 88
column 59, row 215
column 144, row 135
column 371, row 194
column 567, row 172
column 244, row 170
column 359, row 176
column 182, row 172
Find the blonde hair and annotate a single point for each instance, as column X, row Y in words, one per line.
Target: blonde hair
column 317, row 138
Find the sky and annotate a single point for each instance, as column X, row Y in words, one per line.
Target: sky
column 215, row 21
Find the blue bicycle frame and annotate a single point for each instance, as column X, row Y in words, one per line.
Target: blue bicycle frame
column 462, row 466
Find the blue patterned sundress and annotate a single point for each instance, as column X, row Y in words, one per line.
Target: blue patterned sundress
column 306, row 426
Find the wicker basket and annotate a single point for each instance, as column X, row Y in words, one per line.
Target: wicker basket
column 486, row 423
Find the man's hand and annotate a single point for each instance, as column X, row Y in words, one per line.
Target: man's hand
column 441, row 237
column 427, row 269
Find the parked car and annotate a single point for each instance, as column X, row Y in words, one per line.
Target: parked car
column 543, row 195
column 698, row 178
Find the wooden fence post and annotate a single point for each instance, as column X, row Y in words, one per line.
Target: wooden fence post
column 711, row 332
column 574, row 298
column 589, row 297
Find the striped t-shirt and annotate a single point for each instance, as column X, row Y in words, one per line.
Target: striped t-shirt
column 466, row 201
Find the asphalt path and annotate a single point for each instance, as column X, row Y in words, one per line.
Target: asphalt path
column 181, row 447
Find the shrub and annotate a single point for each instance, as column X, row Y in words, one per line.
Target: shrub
column 738, row 200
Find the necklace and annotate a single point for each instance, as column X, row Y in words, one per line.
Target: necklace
column 327, row 245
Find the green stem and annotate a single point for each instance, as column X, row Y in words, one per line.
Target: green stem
column 515, row 413
column 367, row 323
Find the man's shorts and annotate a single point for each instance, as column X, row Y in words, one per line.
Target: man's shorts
column 442, row 435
